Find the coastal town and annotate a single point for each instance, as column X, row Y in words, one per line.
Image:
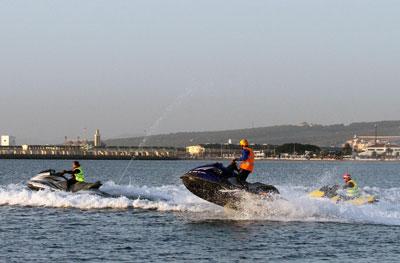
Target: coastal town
column 369, row 147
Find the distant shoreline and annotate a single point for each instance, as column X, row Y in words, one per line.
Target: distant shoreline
column 164, row 158
column 82, row 157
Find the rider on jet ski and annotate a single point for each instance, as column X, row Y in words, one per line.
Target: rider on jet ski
column 352, row 190
column 77, row 174
column 247, row 162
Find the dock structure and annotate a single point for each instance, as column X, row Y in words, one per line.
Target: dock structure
column 90, row 153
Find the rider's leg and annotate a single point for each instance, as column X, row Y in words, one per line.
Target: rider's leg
column 70, row 183
column 242, row 176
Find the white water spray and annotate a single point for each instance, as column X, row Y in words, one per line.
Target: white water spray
column 188, row 92
column 171, row 107
column 298, row 206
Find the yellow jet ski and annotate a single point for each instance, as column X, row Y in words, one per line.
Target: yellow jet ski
column 331, row 192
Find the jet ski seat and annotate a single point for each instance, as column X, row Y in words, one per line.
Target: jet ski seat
column 235, row 182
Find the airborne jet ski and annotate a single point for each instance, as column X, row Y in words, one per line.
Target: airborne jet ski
column 332, row 192
column 217, row 184
column 50, row 179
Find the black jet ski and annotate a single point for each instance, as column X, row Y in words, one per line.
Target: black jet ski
column 217, row 184
column 50, row 179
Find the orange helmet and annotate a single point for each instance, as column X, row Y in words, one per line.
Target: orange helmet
column 244, row 143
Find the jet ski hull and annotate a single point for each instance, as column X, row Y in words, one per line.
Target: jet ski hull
column 211, row 191
column 37, row 186
column 330, row 192
column 51, row 180
column 217, row 185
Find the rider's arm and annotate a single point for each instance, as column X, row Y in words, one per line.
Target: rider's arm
column 72, row 172
column 245, row 155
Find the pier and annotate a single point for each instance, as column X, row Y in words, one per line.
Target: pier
column 64, row 152
column 89, row 152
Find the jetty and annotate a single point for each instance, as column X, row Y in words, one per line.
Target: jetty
column 66, row 152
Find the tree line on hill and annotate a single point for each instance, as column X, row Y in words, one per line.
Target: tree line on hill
column 321, row 135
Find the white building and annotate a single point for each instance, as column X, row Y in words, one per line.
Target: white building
column 381, row 149
column 7, row 140
column 195, row 150
column 259, row 154
column 361, row 143
column 97, row 139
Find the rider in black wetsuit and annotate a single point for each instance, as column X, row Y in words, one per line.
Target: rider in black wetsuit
column 77, row 175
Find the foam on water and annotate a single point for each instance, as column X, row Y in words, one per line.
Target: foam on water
column 163, row 198
column 296, row 205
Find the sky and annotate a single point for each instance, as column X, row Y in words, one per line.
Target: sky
column 161, row 66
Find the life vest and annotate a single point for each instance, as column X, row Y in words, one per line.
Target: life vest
column 80, row 177
column 248, row 164
column 353, row 191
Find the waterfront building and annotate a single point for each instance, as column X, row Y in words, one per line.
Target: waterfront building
column 7, row 140
column 77, row 142
column 379, row 150
column 195, row 150
column 259, row 154
column 361, row 143
column 97, row 139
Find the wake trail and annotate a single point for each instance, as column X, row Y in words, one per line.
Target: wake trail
column 163, row 198
column 296, row 205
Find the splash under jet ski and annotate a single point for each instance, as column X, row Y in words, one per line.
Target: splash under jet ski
column 217, row 184
column 50, row 179
column 332, row 192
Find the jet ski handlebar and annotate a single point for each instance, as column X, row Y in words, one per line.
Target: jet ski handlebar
column 54, row 173
column 61, row 174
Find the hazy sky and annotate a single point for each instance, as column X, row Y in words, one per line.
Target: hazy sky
column 127, row 67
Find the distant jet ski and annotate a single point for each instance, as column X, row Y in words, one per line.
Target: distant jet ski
column 332, row 192
column 50, row 179
column 217, row 184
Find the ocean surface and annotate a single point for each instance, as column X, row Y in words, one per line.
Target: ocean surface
column 153, row 218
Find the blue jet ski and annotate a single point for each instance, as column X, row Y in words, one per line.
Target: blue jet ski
column 218, row 184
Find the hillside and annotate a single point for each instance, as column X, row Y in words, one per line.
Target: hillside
column 321, row 135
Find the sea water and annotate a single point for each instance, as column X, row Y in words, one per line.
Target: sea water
column 153, row 217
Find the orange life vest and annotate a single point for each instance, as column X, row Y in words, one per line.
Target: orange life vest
column 248, row 164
